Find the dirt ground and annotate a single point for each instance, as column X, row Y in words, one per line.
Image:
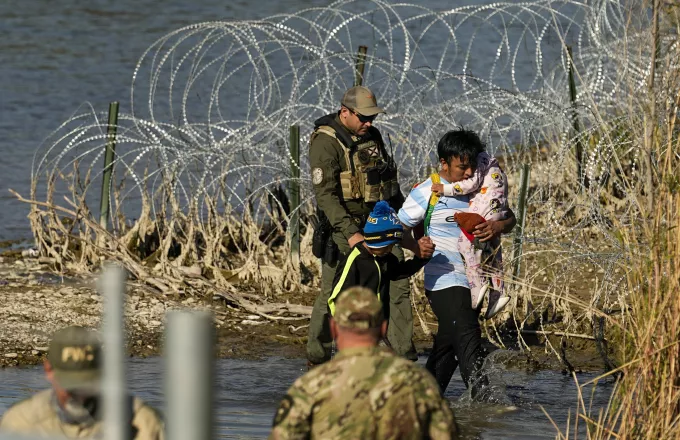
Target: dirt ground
column 34, row 303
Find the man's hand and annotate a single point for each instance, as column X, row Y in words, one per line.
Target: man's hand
column 488, row 230
column 425, row 248
column 437, row 188
column 494, row 228
column 354, row 239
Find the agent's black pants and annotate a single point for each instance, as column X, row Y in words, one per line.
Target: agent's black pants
column 458, row 340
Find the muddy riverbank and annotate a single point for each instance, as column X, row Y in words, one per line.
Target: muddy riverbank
column 35, row 302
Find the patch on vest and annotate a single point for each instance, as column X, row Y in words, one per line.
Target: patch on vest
column 317, row 176
column 284, row 409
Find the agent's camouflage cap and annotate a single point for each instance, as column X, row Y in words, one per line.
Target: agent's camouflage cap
column 361, row 100
column 75, row 356
column 358, row 307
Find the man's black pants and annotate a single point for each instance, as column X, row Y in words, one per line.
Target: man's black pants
column 458, row 340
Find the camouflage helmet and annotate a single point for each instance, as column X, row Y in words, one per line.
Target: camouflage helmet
column 359, row 308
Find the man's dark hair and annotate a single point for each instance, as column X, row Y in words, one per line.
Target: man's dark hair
column 461, row 143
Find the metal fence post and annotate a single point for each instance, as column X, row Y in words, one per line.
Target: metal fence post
column 574, row 117
column 521, row 217
column 116, row 422
column 108, row 165
column 190, row 375
column 359, row 65
column 294, row 188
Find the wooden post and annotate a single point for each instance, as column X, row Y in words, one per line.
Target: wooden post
column 294, row 189
column 359, row 65
column 108, row 165
column 521, row 217
column 575, row 120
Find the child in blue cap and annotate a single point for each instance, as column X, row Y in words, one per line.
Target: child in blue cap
column 371, row 263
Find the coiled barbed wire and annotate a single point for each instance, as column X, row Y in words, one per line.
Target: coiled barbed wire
column 211, row 103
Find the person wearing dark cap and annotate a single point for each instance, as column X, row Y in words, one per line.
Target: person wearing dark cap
column 71, row 407
column 371, row 263
column 351, row 170
column 366, row 392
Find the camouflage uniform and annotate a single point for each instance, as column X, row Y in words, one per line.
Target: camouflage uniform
column 347, row 208
column 364, row 393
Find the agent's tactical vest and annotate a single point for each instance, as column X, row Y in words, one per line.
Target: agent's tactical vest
column 371, row 173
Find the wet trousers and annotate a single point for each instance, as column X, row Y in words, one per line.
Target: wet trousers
column 458, row 341
column 399, row 328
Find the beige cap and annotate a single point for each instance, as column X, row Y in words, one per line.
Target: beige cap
column 362, row 101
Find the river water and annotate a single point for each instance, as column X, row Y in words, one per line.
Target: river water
column 248, row 393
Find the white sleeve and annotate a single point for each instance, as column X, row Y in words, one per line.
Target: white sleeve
column 448, row 190
column 414, row 208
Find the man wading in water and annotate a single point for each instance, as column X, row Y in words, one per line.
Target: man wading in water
column 459, row 337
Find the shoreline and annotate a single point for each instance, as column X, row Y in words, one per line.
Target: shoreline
column 35, row 302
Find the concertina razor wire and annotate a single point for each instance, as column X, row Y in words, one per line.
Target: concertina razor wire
column 211, row 105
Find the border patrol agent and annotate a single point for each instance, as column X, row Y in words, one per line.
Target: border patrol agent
column 366, row 392
column 351, row 171
column 71, row 408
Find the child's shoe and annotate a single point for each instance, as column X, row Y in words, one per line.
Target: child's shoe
column 477, row 301
column 496, row 303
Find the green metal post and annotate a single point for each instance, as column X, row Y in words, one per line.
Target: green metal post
column 521, row 217
column 108, row 165
column 359, row 65
column 294, row 188
column 575, row 121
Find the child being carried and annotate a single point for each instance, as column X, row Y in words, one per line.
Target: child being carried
column 488, row 189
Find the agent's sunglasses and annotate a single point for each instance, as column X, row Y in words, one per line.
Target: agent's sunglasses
column 364, row 119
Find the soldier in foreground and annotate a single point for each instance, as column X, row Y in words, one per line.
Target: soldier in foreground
column 351, row 171
column 366, row 392
column 71, row 408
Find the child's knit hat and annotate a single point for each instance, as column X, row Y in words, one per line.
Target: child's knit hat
column 383, row 228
